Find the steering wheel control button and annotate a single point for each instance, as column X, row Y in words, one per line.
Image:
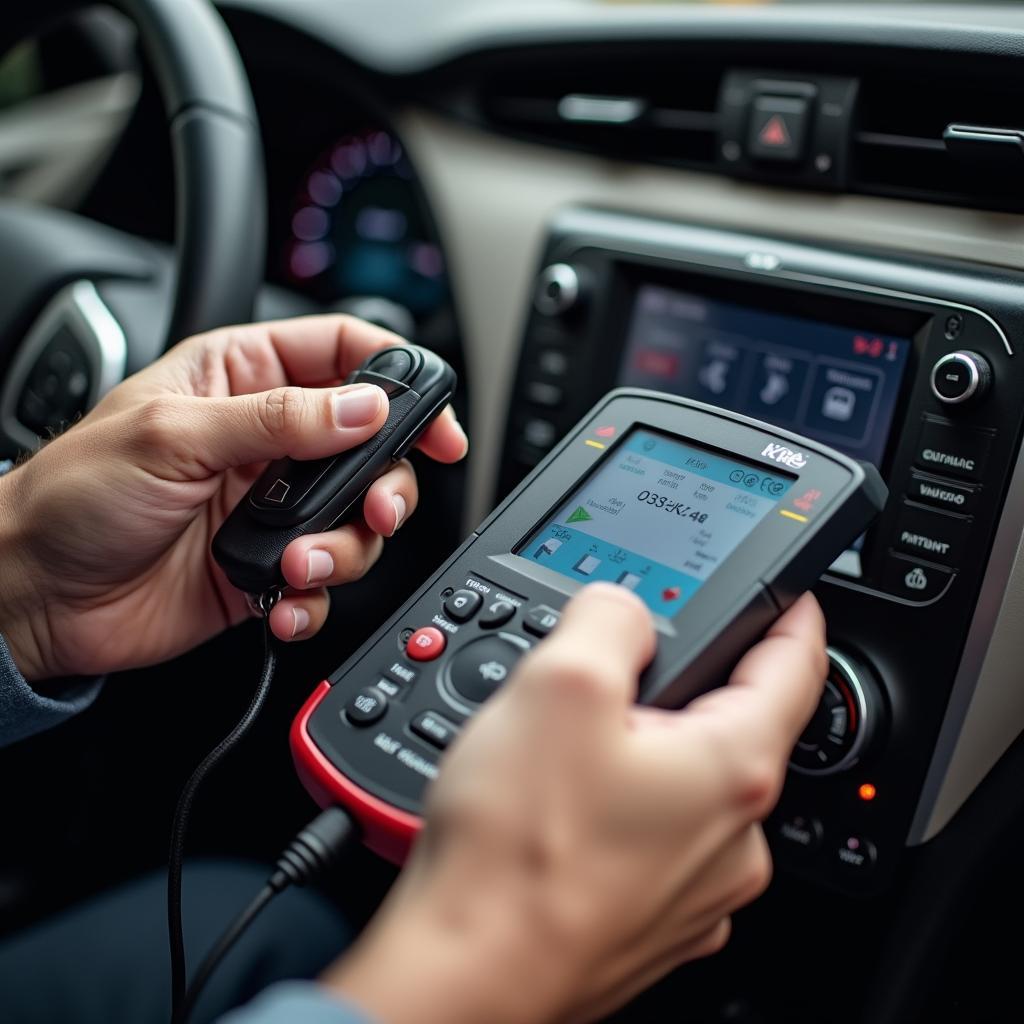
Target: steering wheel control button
column 496, row 614
column 798, row 835
column 540, row 620
column 434, row 728
column 953, row 451
column 778, row 128
column 366, row 707
column 482, row 666
column 933, row 536
column 558, row 290
column 944, row 494
column 914, row 581
column 395, row 363
column 960, row 377
column 425, row 644
column 462, row 605
column 856, row 855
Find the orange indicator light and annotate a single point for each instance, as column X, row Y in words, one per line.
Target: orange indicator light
column 867, row 791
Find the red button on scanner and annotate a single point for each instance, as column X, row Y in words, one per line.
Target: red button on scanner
column 425, row 644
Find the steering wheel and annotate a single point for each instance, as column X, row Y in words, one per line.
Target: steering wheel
column 61, row 347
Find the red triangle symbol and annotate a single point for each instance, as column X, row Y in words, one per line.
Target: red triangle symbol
column 774, row 132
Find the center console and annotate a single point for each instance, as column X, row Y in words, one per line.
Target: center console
column 908, row 366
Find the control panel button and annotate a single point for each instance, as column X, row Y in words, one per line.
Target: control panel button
column 401, row 673
column 425, row 644
column 482, row 666
column 778, row 128
column 366, row 707
column 541, row 393
column 906, row 578
column 540, row 620
column 933, row 536
column 798, row 834
column 434, row 728
column 389, row 687
column 856, row 855
column 944, row 494
column 540, row 433
column 497, row 613
column 960, row 377
column 462, row 605
column 558, row 290
column 953, row 451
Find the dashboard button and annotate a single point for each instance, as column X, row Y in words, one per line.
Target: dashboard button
column 908, row 579
column 425, row 644
column 497, row 613
column 953, row 451
column 933, row 536
column 462, row 605
column 433, row 728
column 778, row 128
column 540, row 433
column 856, row 855
column 482, row 666
column 366, row 707
column 944, row 494
column 799, row 835
column 541, row 393
column 960, row 377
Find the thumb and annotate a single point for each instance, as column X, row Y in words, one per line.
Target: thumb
column 303, row 423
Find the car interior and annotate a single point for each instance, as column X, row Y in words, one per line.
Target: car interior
column 809, row 213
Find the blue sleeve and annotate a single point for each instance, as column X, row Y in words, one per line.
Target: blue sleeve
column 296, row 1002
column 23, row 712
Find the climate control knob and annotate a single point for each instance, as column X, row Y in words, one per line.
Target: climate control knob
column 960, row 377
column 846, row 721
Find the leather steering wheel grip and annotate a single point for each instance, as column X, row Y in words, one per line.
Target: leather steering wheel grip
column 220, row 189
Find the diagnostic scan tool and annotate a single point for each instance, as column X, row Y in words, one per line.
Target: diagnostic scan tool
column 716, row 521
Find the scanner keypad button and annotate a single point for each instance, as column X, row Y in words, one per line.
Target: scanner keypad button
column 482, row 666
column 366, row 707
column 462, row 605
column 425, row 644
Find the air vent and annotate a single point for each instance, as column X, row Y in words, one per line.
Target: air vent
column 941, row 140
column 662, row 114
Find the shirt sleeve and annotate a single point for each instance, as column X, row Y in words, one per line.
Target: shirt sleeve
column 296, row 1002
column 23, row 712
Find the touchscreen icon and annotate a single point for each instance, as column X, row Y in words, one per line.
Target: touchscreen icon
column 671, row 594
column 579, row 515
column 714, row 376
column 586, row 565
column 838, row 404
column 776, row 387
column 549, row 547
column 629, row 580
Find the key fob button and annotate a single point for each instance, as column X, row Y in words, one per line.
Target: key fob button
column 395, row 363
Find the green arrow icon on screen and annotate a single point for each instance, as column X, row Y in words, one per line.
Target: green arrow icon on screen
column 581, row 515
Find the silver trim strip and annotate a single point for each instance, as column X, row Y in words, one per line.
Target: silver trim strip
column 79, row 308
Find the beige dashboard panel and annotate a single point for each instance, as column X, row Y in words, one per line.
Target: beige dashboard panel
column 494, row 197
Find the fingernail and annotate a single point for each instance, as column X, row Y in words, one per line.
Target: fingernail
column 300, row 620
column 465, row 439
column 355, row 407
column 400, row 509
column 319, row 565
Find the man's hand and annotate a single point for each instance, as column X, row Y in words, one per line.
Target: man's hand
column 578, row 847
column 105, row 533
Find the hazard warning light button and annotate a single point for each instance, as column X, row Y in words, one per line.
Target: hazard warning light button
column 778, row 128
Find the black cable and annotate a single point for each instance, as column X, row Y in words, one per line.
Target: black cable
column 184, row 808
column 311, row 852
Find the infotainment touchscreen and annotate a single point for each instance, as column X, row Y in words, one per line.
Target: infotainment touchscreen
column 657, row 516
column 836, row 384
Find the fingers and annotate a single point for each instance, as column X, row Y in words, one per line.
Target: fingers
column 391, row 499
column 298, row 617
column 444, row 440
column 775, row 688
column 603, row 641
column 330, row 559
column 197, row 437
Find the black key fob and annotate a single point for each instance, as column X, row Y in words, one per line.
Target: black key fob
column 294, row 498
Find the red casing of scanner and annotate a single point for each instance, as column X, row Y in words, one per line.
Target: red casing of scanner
column 388, row 831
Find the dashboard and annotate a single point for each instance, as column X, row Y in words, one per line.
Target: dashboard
column 808, row 213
